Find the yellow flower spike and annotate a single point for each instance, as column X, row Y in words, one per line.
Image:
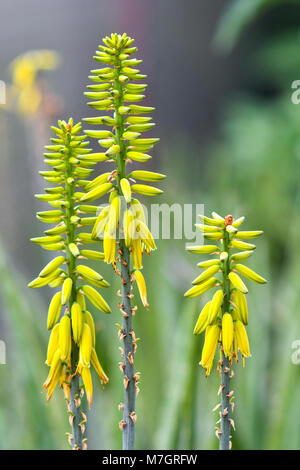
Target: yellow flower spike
column 212, row 337
column 66, row 290
column 96, row 299
column 249, row 274
column 226, row 314
column 71, row 162
column 52, row 266
column 126, row 189
column 114, row 89
column 201, row 288
column 86, row 345
column 87, row 318
column 98, row 368
column 237, row 282
column 202, row 321
column 77, row 322
column 88, row 384
column 53, row 345
column 227, row 334
column 65, row 343
column 215, row 306
column 208, row 273
column 140, row 281
column 241, row 303
column 241, row 338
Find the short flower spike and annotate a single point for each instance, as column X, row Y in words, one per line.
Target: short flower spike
column 71, row 347
column 225, row 316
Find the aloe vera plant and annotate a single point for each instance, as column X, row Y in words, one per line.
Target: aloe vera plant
column 122, row 224
column 71, row 347
column 224, row 317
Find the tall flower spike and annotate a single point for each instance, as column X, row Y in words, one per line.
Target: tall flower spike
column 224, row 317
column 71, row 346
column 113, row 89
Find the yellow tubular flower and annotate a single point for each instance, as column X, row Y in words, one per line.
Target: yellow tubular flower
column 87, row 318
column 86, row 345
column 242, row 338
column 54, row 310
column 98, row 368
column 88, row 384
column 227, row 334
column 65, row 338
column 76, row 316
column 53, row 344
column 202, row 321
column 215, row 306
column 210, row 345
column 126, row 190
column 140, row 281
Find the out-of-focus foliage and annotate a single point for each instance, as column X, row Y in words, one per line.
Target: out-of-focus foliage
column 24, row 93
column 238, row 15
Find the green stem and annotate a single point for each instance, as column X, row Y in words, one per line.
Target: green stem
column 75, row 408
column 224, row 442
column 128, row 424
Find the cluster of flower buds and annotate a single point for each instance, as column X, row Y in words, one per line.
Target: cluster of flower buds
column 224, row 317
column 113, row 89
column 68, row 157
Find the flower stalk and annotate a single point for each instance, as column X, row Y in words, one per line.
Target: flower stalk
column 122, row 225
column 71, row 348
column 224, row 317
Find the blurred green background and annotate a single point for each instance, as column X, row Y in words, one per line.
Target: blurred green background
column 220, row 76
